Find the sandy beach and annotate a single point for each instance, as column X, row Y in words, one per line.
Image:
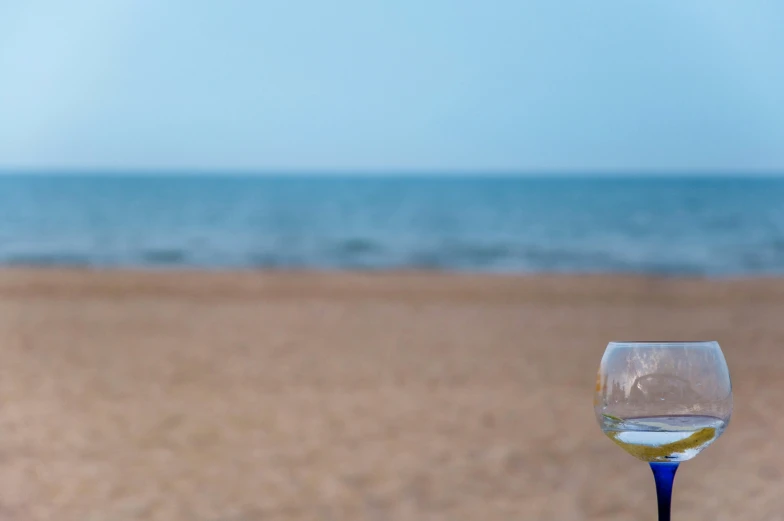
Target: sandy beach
column 340, row 397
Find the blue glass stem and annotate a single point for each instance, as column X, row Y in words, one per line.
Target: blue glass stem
column 664, row 474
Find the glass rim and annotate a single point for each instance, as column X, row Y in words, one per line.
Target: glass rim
column 662, row 342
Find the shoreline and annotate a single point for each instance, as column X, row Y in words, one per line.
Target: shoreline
column 457, row 273
column 335, row 284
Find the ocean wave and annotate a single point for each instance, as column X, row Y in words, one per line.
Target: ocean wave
column 46, row 260
column 164, row 256
column 358, row 246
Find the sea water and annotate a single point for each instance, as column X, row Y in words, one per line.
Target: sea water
column 683, row 226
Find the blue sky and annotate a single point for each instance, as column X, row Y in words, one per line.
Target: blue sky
column 412, row 85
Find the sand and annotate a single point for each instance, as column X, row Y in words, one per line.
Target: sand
column 340, row 397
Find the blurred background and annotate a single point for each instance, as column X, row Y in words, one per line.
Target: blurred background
column 360, row 260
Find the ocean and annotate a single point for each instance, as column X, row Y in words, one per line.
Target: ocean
column 670, row 226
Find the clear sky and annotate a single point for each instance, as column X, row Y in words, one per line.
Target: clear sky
column 394, row 85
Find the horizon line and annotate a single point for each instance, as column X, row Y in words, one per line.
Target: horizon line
column 382, row 173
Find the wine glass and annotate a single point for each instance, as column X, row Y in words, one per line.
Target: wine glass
column 663, row 402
